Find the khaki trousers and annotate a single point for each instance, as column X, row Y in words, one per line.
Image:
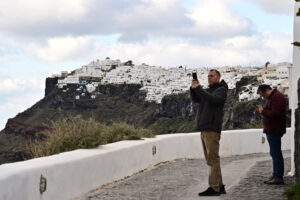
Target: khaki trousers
column 211, row 144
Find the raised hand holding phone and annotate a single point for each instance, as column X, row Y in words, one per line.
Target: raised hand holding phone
column 194, row 74
column 195, row 82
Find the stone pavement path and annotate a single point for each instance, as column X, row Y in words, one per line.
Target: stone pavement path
column 183, row 179
column 253, row 188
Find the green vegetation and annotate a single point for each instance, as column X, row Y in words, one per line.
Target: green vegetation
column 74, row 133
column 253, row 126
column 173, row 125
column 293, row 193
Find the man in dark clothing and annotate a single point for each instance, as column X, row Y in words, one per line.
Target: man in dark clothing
column 209, row 121
column 274, row 120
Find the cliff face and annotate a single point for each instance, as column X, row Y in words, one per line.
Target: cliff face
column 239, row 115
column 113, row 103
column 50, row 85
column 178, row 105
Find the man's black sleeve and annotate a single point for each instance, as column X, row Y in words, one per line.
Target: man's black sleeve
column 195, row 97
column 217, row 97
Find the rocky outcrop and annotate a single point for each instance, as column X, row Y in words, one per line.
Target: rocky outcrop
column 65, row 98
column 15, row 127
column 239, row 115
column 246, row 80
column 50, row 85
column 130, row 93
column 15, row 138
column 179, row 105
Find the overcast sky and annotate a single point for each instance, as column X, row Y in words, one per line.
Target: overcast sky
column 42, row 37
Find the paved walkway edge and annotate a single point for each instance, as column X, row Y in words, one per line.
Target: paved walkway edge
column 232, row 174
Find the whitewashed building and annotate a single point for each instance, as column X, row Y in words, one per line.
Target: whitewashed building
column 159, row 82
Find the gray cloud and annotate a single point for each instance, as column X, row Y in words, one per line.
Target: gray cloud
column 277, row 6
column 101, row 17
column 134, row 20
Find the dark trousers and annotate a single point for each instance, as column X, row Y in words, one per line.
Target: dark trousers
column 276, row 154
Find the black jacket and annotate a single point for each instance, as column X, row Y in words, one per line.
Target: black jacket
column 211, row 102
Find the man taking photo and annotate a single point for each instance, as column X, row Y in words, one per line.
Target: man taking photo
column 209, row 120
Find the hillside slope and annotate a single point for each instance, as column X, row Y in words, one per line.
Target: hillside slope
column 124, row 103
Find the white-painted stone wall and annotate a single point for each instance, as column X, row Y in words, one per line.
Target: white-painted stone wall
column 293, row 80
column 74, row 173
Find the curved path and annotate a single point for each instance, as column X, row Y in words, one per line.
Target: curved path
column 183, row 179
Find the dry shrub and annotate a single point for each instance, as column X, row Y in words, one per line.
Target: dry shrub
column 76, row 133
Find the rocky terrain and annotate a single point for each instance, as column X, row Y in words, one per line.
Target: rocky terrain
column 113, row 103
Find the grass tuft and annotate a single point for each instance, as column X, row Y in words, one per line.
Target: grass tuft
column 293, row 193
column 76, row 133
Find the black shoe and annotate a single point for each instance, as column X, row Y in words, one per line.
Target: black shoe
column 209, row 192
column 222, row 190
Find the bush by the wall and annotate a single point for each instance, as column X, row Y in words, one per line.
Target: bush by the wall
column 76, row 133
column 293, row 193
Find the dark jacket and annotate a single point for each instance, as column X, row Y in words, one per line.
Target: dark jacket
column 211, row 102
column 274, row 117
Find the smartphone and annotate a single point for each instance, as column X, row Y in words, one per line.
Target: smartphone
column 194, row 74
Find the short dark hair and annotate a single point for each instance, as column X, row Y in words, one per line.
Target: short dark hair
column 214, row 70
column 263, row 88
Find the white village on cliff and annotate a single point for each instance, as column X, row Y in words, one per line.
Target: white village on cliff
column 159, row 81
